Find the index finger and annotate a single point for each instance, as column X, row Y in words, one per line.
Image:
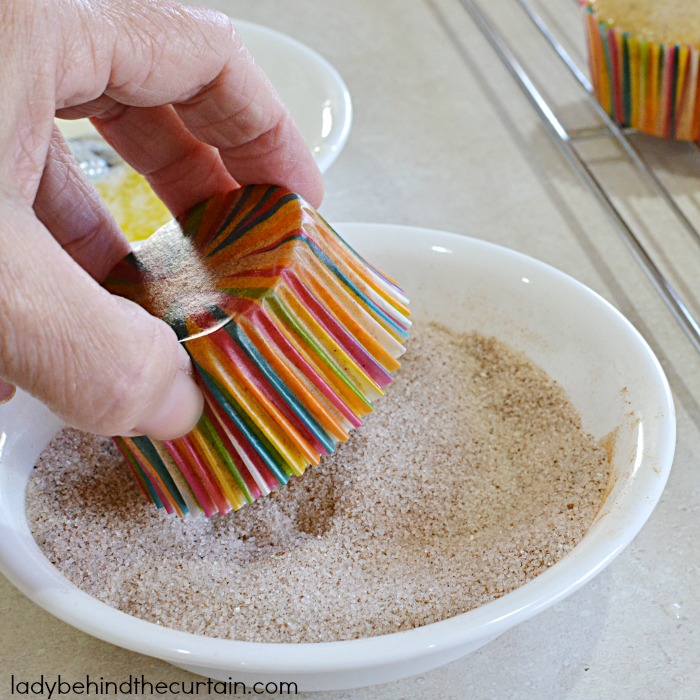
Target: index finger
column 193, row 58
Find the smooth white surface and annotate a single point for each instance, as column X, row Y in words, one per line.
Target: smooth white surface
column 307, row 83
column 606, row 367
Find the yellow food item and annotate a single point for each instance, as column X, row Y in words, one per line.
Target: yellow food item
column 133, row 203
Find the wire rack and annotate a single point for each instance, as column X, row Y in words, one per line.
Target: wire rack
column 679, row 295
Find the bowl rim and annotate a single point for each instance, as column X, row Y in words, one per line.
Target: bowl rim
column 79, row 609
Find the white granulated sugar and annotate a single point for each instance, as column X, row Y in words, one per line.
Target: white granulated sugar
column 472, row 478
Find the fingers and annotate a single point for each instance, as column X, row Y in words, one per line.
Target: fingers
column 155, row 142
column 7, row 391
column 100, row 362
column 273, row 152
column 68, row 205
column 154, row 54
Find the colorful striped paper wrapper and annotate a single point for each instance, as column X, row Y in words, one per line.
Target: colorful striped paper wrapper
column 649, row 86
column 292, row 335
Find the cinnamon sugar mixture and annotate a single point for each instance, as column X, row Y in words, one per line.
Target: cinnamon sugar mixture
column 472, row 477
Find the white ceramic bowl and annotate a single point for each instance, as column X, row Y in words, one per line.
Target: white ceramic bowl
column 608, row 370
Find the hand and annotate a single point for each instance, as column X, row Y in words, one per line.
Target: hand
column 175, row 92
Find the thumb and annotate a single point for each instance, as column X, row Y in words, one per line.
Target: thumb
column 100, row 362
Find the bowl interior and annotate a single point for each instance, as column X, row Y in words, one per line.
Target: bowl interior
column 581, row 341
column 607, row 369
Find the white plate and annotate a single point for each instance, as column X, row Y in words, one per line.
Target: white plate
column 308, row 84
column 606, row 367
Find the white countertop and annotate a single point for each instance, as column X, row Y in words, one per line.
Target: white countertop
column 443, row 138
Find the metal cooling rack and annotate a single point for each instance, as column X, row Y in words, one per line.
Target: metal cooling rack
column 570, row 144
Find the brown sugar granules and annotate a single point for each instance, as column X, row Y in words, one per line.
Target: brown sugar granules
column 473, row 477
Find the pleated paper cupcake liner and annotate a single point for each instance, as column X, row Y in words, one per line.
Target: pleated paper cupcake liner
column 649, row 86
column 292, row 335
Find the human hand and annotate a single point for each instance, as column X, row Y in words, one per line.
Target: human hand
column 175, row 92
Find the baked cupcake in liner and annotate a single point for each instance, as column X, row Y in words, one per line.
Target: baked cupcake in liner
column 292, row 335
column 644, row 59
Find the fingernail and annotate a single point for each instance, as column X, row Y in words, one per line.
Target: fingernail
column 7, row 391
column 178, row 414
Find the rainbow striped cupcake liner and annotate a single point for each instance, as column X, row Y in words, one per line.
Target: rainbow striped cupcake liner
column 292, row 335
column 649, row 86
